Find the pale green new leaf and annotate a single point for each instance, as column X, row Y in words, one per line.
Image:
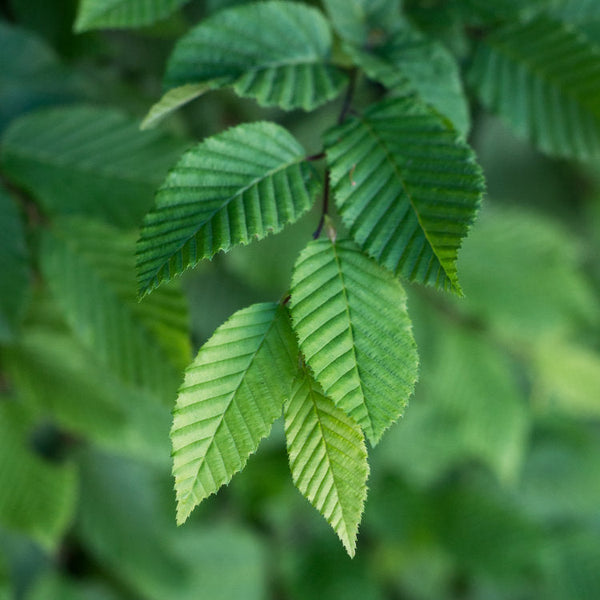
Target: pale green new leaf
column 276, row 52
column 232, row 188
column 89, row 268
column 96, row 14
column 542, row 77
column 407, row 188
column 410, row 62
column 232, row 393
column 351, row 321
column 328, row 458
column 89, row 161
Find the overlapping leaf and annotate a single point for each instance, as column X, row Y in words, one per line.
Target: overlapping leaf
column 232, row 188
column 543, row 78
column 328, row 458
column 232, row 393
column 351, row 321
column 89, row 268
column 88, row 160
column 407, row 187
column 276, row 52
column 94, row 14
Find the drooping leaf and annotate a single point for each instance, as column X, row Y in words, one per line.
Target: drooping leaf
column 407, row 187
column 14, row 266
column 88, row 161
column 328, row 458
column 276, row 52
column 97, row 14
column 89, row 268
column 232, row 188
column 410, row 62
column 350, row 318
column 542, row 78
column 232, row 393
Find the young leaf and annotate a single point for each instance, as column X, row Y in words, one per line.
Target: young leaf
column 542, row 77
column 328, row 458
column 96, row 14
column 232, row 393
column 407, row 188
column 89, row 268
column 234, row 187
column 351, row 321
column 88, row 160
column 275, row 52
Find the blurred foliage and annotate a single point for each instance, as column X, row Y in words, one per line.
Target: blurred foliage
column 489, row 488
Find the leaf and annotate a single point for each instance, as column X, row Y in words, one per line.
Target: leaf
column 275, row 52
column 88, row 161
column 97, row 14
column 542, row 78
column 410, row 62
column 89, row 268
column 328, row 458
column 36, row 497
column 234, row 187
column 407, row 188
column 232, row 393
column 350, row 318
column 14, row 265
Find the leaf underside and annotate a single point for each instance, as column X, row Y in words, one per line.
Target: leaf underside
column 232, row 188
column 542, row 77
column 232, row 393
column 354, row 331
column 328, row 458
column 407, row 188
column 275, row 52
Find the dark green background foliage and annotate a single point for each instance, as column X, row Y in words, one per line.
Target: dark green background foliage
column 488, row 488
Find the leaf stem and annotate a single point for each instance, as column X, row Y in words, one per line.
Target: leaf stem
column 348, row 97
column 325, row 209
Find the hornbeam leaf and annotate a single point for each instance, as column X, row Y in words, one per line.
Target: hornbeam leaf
column 351, row 321
column 95, row 14
column 328, row 458
column 275, row 52
column 234, row 187
column 232, row 393
column 407, row 188
column 543, row 78
column 89, row 268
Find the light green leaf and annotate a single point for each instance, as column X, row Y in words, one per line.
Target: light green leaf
column 542, row 78
column 89, row 268
column 410, row 62
column 328, row 458
column 232, row 188
column 350, row 318
column 36, row 497
column 232, row 393
column 97, row 14
column 407, row 187
column 275, row 52
column 14, row 265
column 87, row 160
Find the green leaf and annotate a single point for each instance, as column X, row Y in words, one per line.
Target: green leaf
column 407, row 187
column 14, row 265
column 97, row 14
column 232, row 393
column 350, row 318
column 234, row 187
column 275, row 52
column 89, row 268
column 36, row 497
column 542, row 78
column 87, row 160
column 410, row 62
column 328, row 458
